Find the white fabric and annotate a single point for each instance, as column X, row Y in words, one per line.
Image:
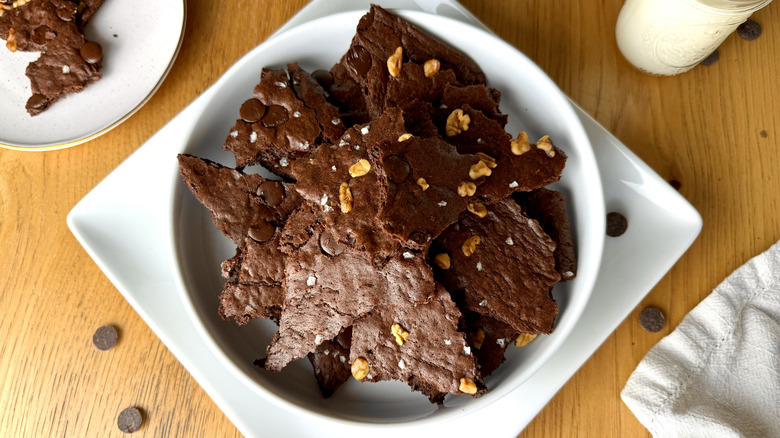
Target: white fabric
column 718, row 373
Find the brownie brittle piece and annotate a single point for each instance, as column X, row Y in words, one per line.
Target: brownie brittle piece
column 331, row 366
column 548, row 207
column 418, row 344
column 327, row 293
column 379, row 34
column 500, row 265
column 68, row 62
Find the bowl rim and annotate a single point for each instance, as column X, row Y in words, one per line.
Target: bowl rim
column 425, row 21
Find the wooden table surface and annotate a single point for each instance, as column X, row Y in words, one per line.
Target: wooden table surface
column 715, row 129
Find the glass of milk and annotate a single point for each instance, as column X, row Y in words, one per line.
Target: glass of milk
column 667, row 37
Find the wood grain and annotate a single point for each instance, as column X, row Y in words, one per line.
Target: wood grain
column 714, row 129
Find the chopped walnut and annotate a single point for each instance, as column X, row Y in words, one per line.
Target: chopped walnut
column 394, row 62
column 477, row 208
column 442, row 261
column 466, row 188
column 490, row 161
column 359, row 368
column 345, row 198
column 360, row 168
column 478, row 337
column 431, row 67
column 422, row 183
column 470, row 245
column 399, row 333
column 520, row 145
column 524, row 339
column 467, row 386
column 457, row 122
column 546, row 145
column 10, row 43
column 479, row 170
column 404, row 137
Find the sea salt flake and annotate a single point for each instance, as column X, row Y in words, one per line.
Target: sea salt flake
column 408, row 255
column 65, row 70
column 442, row 204
column 324, row 199
column 480, row 141
column 357, row 147
column 364, row 130
column 333, row 168
column 234, row 134
column 342, row 142
column 447, row 342
column 253, row 137
column 327, row 209
column 284, row 162
column 443, row 106
column 501, row 342
column 327, row 352
column 467, row 350
column 342, row 359
column 568, row 274
column 479, row 266
column 335, row 121
column 401, row 364
column 280, row 84
column 248, row 308
column 513, row 184
column 318, row 339
column 483, row 303
column 509, row 241
column 297, row 114
column 311, row 281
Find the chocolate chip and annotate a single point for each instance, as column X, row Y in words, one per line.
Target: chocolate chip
column 105, row 337
column 396, row 168
column 130, row 420
column 37, row 103
column 271, row 192
column 66, row 11
column 675, row 184
column 91, row 52
column 712, row 59
column 616, row 224
column 323, row 77
column 763, row 134
column 652, row 319
column 329, row 245
column 262, row 231
column 358, row 60
column 275, row 116
column 252, row 111
column 749, row 30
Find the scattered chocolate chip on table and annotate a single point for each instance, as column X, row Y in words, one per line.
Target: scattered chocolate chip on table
column 129, row 420
column 749, row 30
column 712, row 59
column 105, row 337
column 652, row 319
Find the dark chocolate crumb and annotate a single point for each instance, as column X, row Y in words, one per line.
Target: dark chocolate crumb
column 652, row 319
column 675, row 184
column 129, row 420
column 115, row 35
column 105, row 337
column 749, row 30
column 616, row 224
column 763, row 134
column 712, row 59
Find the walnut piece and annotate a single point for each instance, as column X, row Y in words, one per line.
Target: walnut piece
column 479, row 170
column 422, row 183
column 521, row 144
column 546, row 145
column 431, row 67
column 470, row 245
column 394, row 62
column 467, row 386
column 524, row 339
column 404, row 137
column 477, row 208
column 10, row 43
column 442, row 260
column 466, row 188
column 478, row 337
column 359, row 368
column 345, row 198
column 399, row 333
column 489, row 161
column 457, row 122
column 360, row 168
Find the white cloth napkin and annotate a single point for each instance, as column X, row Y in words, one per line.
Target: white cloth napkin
column 718, row 373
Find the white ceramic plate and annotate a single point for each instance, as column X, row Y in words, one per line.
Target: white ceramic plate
column 197, row 248
column 140, row 40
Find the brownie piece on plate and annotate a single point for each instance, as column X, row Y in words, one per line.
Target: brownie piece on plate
column 418, row 344
column 68, row 62
column 500, row 265
column 548, row 207
column 331, row 366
